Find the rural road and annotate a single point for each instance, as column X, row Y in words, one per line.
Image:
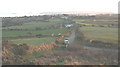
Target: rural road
column 88, row 55
column 71, row 39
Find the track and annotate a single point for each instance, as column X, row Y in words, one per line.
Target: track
column 88, row 55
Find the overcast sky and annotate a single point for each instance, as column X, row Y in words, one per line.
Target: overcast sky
column 27, row 7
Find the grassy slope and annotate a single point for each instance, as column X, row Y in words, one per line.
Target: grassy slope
column 101, row 33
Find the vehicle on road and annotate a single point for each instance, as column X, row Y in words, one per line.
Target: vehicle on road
column 66, row 42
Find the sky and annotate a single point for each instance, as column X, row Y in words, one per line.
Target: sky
column 35, row 7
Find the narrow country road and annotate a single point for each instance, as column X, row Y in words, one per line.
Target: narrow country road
column 92, row 56
column 71, row 38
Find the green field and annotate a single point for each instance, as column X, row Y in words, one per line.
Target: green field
column 34, row 32
column 96, row 21
column 31, row 28
column 33, row 25
column 104, row 34
column 83, row 23
column 34, row 41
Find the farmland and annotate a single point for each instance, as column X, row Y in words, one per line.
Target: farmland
column 32, row 25
column 32, row 29
column 104, row 34
column 36, row 41
column 33, row 32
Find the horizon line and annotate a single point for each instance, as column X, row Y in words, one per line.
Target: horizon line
column 63, row 12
